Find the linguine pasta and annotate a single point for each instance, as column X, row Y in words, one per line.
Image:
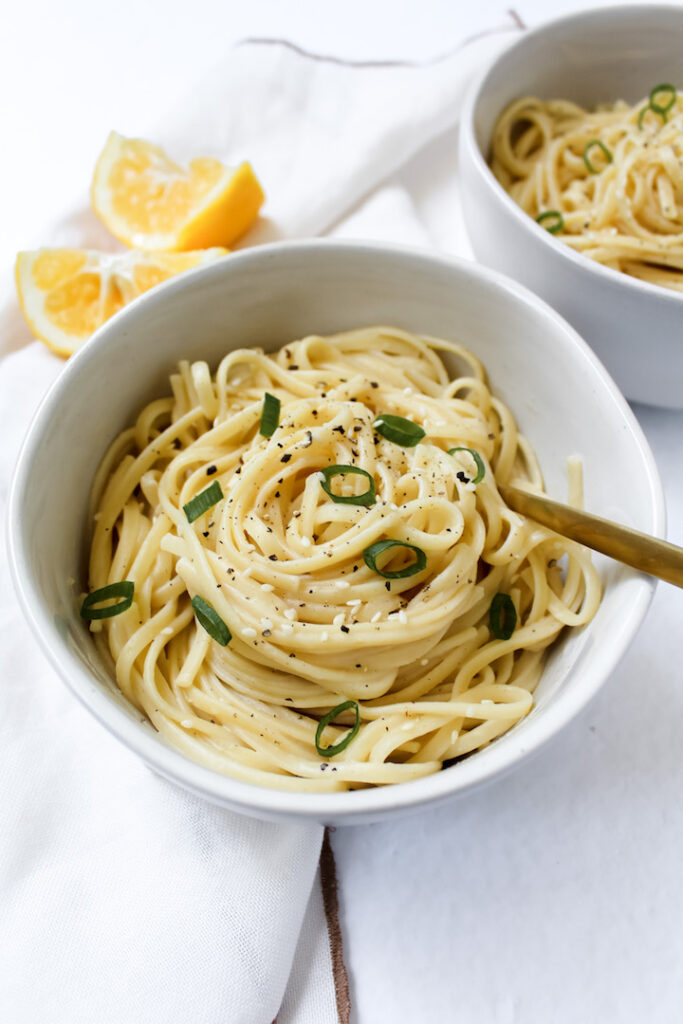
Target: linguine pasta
column 434, row 642
column 608, row 182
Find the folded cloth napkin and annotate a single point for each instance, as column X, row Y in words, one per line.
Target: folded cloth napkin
column 125, row 899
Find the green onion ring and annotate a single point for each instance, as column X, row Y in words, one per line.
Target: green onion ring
column 124, row 589
column 558, row 221
column 367, row 498
column 203, row 501
column 270, row 416
column 600, row 145
column 337, row 748
column 209, row 619
column 502, row 617
column 644, row 111
column 481, row 469
column 659, row 108
column 370, row 555
column 399, row 430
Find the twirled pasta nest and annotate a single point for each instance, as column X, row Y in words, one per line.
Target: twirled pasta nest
column 279, row 563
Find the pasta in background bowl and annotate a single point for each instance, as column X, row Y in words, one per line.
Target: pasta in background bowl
column 266, row 298
column 606, row 188
column 608, row 182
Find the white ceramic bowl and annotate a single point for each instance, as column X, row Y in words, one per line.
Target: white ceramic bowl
column 593, row 57
column 562, row 397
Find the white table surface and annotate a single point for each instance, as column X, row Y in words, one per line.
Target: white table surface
column 556, row 894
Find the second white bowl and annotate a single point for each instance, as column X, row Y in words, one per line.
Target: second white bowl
column 593, row 57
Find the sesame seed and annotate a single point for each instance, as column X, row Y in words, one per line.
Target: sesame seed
column 324, row 637
column 376, row 617
column 248, row 632
column 266, row 623
column 267, row 586
column 306, row 542
column 402, row 617
column 187, row 723
column 290, row 613
column 287, row 627
column 354, row 602
column 343, row 584
column 338, row 619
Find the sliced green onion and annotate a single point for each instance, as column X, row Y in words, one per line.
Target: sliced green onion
column 399, row 430
column 366, row 498
column 203, row 501
column 124, row 589
column 662, row 108
column 502, row 617
column 337, row 748
column 209, row 619
column 642, row 114
column 370, row 557
column 590, row 145
column 481, row 469
column 556, row 221
column 270, row 417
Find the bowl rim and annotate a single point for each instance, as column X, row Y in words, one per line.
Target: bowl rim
column 475, row 92
column 270, row 802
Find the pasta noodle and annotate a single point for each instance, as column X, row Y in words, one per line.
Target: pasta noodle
column 283, row 561
column 609, row 183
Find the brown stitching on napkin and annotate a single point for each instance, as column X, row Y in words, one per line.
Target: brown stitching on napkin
column 343, row 62
column 328, row 881
column 517, row 18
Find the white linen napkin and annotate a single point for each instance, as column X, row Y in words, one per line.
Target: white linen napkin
column 125, row 899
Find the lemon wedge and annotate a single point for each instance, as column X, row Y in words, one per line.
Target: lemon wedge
column 149, row 202
column 65, row 294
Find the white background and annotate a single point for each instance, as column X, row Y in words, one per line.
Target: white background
column 555, row 895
